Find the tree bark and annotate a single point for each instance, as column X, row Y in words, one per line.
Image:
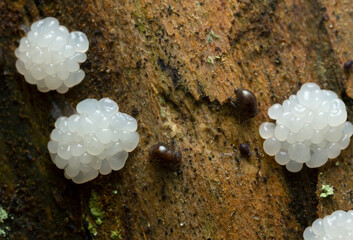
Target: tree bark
column 173, row 65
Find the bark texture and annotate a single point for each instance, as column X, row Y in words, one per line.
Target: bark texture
column 173, row 65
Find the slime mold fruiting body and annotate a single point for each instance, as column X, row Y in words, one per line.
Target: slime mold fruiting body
column 49, row 56
column 310, row 128
column 338, row 225
column 95, row 140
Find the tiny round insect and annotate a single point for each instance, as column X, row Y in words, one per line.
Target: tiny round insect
column 246, row 102
column 348, row 65
column 244, row 150
column 164, row 154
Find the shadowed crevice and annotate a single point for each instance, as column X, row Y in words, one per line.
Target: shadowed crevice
column 302, row 189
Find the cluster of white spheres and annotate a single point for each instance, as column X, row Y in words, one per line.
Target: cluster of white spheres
column 310, row 128
column 338, row 225
column 95, row 140
column 49, row 56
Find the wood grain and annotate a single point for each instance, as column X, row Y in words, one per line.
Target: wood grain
column 173, row 65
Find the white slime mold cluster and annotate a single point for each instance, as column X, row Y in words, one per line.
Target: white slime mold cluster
column 338, row 225
column 49, row 56
column 310, row 128
column 96, row 139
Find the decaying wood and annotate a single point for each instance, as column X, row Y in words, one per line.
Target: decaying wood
column 173, row 65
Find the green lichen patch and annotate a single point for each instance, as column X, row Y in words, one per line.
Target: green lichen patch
column 94, row 207
column 2, row 233
column 212, row 59
column 212, row 36
column 115, row 235
column 92, row 229
column 3, row 215
column 326, row 190
column 140, row 26
column 96, row 214
column 99, row 221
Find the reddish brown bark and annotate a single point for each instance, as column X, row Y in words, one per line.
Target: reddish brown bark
column 173, row 65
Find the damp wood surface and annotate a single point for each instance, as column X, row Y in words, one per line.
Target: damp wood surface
column 173, row 65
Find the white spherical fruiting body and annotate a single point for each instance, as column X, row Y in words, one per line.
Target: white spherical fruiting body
column 95, row 140
column 49, row 56
column 310, row 128
column 338, row 225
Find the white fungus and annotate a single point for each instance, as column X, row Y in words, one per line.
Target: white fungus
column 49, row 56
column 338, row 225
column 310, row 128
column 95, row 140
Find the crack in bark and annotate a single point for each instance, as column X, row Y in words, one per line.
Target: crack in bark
column 173, row 73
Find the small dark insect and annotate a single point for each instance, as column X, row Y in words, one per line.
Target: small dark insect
column 164, row 154
column 134, row 112
column 348, row 65
column 246, row 103
column 244, row 150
